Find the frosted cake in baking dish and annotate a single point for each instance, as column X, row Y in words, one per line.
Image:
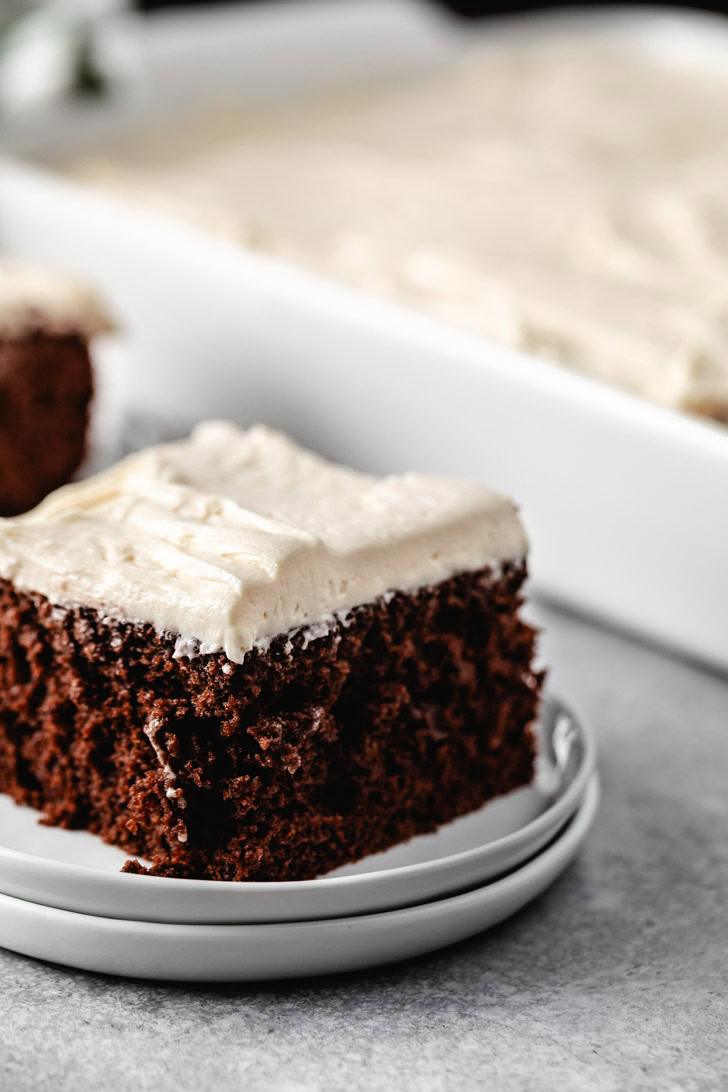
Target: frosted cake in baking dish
column 562, row 197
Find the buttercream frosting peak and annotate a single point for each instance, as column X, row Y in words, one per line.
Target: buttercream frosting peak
column 32, row 298
column 231, row 537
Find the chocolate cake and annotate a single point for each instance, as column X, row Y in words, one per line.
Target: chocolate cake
column 45, row 382
column 239, row 661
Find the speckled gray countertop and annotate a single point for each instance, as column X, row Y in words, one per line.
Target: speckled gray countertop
column 616, row 979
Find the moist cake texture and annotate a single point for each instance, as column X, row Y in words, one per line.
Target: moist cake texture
column 46, row 381
column 323, row 663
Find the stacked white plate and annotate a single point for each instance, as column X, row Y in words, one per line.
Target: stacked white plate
column 62, row 897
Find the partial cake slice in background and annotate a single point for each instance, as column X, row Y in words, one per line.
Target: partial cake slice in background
column 46, row 381
column 241, row 661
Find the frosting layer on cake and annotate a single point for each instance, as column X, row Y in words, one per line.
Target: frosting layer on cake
column 557, row 194
column 32, row 299
column 231, row 537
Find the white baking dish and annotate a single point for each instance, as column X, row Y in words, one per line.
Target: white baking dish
column 626, row 503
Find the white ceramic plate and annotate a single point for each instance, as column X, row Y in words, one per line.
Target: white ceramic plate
column 229, row 953
column 76, row 871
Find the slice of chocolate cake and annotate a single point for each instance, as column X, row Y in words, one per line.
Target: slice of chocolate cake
column 241, row 661
column 45, row 381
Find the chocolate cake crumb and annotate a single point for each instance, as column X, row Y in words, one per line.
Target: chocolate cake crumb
column 45, row 390
column 311, row 753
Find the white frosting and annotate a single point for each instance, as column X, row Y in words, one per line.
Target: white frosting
column 562, row 197
column 31, row 298
column 231, row 537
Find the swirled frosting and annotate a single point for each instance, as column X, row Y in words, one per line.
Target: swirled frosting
column 231, row 537
column 32, row 299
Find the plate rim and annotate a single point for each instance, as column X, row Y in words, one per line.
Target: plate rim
column 574, row 832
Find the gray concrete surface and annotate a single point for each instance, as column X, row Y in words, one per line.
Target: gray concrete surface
column 616, row 979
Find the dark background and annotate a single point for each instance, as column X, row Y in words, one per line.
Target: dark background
column 469, row 8
column 483, row 7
